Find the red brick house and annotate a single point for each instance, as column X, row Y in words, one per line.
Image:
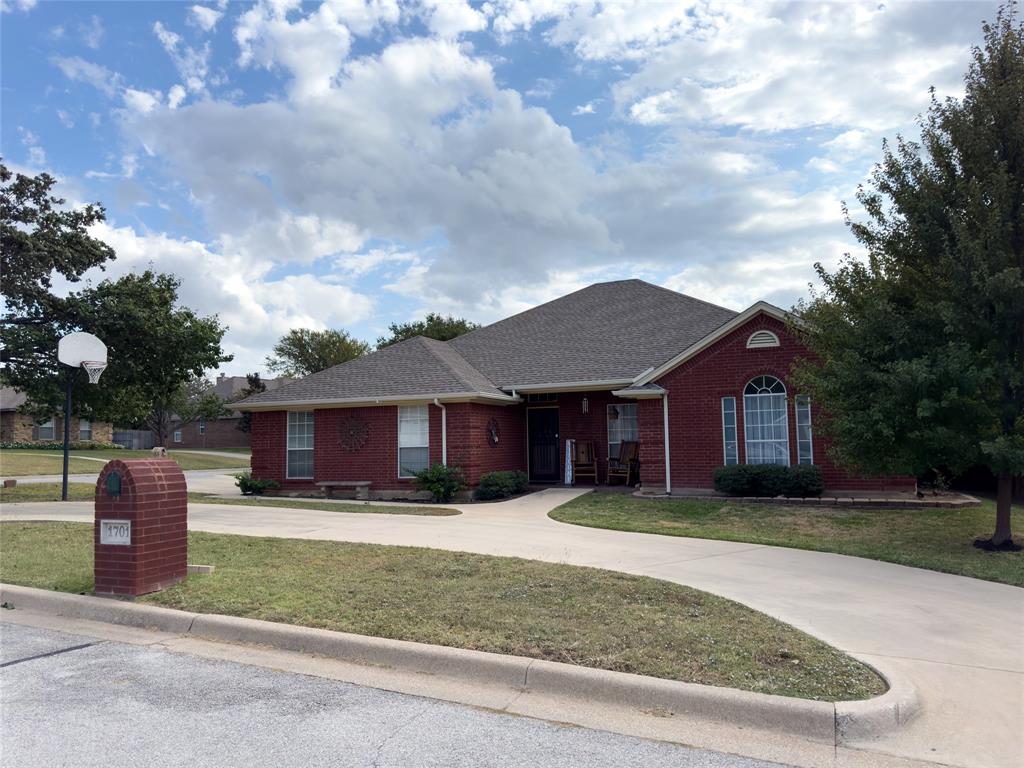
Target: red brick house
column 698, row 385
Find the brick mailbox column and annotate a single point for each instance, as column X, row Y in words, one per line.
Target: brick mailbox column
column 140, row 538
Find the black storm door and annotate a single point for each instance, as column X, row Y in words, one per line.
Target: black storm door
column 543, row 443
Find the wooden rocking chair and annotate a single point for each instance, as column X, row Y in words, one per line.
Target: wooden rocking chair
column 627, row 466
column 584, row 461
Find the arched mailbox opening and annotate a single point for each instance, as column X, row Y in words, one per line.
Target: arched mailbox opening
column 141, row 534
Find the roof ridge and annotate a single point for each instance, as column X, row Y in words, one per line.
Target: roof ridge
column 434, row 345
column 688, row 296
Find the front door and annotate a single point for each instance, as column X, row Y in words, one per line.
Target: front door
column 542, row 430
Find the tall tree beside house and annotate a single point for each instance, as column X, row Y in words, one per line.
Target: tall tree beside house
column 253, row 386
column 303, row 351
column 921, row 346
column 194, row 399
column 433, row 326
column 155, row 348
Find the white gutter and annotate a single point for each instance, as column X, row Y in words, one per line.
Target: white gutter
column 444, row 431
column 668, row 462
column 329, row 402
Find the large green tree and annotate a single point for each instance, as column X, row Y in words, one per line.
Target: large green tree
column 433, row 326
column 253, row 386
column 303, row 351
column 195, row 399
column 920, row 346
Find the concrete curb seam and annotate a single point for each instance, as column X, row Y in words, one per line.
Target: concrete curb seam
column 828, row 722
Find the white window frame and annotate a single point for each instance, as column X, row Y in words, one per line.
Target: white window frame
column 202, row 426
column 608, row 426
column 50, row 425
column 802, row 407
column 177, row 435
column 310, row 437
column 422, row 414
column 735, row 441
column 749, row 423
column 87, row 429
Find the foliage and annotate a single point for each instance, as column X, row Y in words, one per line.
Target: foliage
column 41, row 238
column 194, row 400
column 919, row 349
column 769, row 480
column 76, row 445
column 253, row 486
column 433, row 326
column 254, row 385
column 442, row 481
column 501, row 485
column 155, row 348
column 303, row 351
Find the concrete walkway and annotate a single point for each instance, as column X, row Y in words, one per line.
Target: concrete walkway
column 959, row 640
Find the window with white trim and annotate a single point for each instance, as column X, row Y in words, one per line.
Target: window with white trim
column 300, row 445
column 202, row 426
column 804, row 443
column 413, row 439
column 84, row 429
column 177, row 435
column 729, row 440
column 765, row 423
column 45, row 431
column 623, row 424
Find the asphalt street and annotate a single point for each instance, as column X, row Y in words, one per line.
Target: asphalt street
column 69, row 700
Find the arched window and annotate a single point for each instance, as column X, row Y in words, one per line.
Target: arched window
column 765, row 424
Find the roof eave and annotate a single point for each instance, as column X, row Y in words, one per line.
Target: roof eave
column 720, row 332
column 355, row 402
column 568, row 386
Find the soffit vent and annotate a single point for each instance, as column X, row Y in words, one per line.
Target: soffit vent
column 762, row 340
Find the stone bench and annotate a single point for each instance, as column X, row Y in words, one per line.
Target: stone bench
column 362, row 487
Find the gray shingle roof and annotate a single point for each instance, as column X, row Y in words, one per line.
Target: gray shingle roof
column 416, row 367
column 606, row 332
column 11, row 398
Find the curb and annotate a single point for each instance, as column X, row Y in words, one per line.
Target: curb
column 821, row 721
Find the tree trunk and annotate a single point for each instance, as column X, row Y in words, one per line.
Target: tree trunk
column 1004, row 495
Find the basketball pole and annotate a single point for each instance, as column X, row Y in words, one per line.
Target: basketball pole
column 67, row 432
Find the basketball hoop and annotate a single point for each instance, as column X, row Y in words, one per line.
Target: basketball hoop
column 94, row 369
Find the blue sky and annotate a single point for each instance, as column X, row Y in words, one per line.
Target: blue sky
column 350, row 163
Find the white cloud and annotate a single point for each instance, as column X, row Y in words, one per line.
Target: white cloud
column 141, row 102
column 175, row 96
column 585, row 109
column 92, row 33
column 451, row 18
column 36, row 154
column 192, row 64
column 204, row 18
column 79, row 70
column 9, row 6
column 65, row 118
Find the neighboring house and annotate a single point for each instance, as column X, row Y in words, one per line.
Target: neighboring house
column 222, row 432
column 696, row 384
column 18, row 427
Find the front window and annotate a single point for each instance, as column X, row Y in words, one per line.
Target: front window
column 177, row 435
column 45, row 430
column 622, row 425
column 729, row 431
column 413, row 439
column 202, row 426
column 84, row 429
column 804, row 444
column 300, row 445
column 765, row 425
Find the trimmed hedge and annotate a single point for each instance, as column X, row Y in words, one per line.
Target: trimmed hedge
column 253, row 486
column 52, row 445
column 501, row 485
column 442, row 482
column 769, row 480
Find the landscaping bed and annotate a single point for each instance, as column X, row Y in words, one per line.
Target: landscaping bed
column 563, row 613
column 936, row 539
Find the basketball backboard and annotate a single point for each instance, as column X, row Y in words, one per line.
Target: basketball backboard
column 77, row 348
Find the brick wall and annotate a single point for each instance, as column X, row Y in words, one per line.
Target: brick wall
column 17, row 427
column 695, row 412
column 154, row 498
column 469, row 443
column 217, row 433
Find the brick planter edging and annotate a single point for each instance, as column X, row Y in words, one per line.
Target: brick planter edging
column 826, row 722
column 851, row 502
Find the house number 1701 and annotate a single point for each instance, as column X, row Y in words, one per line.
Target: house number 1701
column 116, row 532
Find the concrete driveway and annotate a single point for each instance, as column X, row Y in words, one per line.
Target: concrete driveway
column 959, row 640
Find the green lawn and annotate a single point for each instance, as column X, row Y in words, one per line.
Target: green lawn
column 14, row 462
column 564, row 613
column 86, row 492
column 937, row 539
column 20, row 463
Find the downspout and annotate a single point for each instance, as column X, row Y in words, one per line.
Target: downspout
column 668, row 463
column 444, row 431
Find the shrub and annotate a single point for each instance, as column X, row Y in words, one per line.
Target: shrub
column 501, row 485
column 254, row 486
column 442, row 482
column 769, row 480
column 53, row 445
